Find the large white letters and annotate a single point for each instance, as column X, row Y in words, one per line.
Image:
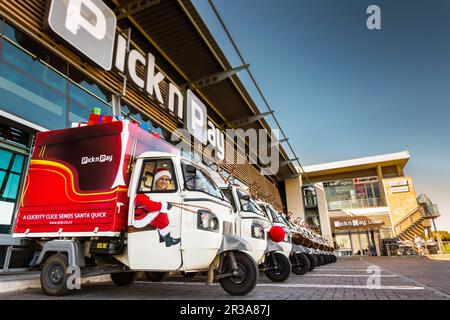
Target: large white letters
column 75, row 20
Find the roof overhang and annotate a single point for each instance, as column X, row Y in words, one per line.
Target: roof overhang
column 176, row 31
column 399, row 158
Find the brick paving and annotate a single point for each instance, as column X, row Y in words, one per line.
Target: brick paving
column 412, row 278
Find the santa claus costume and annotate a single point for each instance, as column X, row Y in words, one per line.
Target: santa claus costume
column 148, row 212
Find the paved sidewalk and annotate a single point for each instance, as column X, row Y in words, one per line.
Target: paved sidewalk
column 412, row 278
column 13, row 282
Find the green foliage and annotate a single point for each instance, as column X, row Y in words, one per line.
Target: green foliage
column 445, row 235
column 447, row 247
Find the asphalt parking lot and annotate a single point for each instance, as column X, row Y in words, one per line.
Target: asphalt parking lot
column 401, row 278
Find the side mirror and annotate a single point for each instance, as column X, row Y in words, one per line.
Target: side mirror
column 246, row 197
column 191, row 169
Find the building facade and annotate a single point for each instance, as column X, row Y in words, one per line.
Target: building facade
column 141, row 60
column 362, row 205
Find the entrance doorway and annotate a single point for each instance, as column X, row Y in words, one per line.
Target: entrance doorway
column 355, row 243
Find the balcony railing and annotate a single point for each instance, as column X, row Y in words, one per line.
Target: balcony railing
column 356, row 203
column 430, row 209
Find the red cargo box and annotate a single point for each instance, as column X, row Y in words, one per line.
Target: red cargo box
column 78, row 179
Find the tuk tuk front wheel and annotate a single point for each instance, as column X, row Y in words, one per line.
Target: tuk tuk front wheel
column 156, row 276
column 282, row 272
column 312, row 262
column 123, row 279
column 320, row 260
column 247, row 278
column 300, row 264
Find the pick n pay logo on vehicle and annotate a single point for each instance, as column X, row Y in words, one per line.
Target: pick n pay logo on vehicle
column 100, row 159
column 87, row 25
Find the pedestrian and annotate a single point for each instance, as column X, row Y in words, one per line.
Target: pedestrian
column 418, row 242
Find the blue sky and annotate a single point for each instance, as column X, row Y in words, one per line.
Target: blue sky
column 342, row 91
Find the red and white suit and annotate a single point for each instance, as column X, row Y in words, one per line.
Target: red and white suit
column 152, row 213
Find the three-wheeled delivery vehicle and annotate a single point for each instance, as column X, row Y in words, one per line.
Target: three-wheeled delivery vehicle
column 115, row 199
column 253, row 224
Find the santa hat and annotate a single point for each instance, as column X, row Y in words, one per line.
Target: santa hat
column 162, row 172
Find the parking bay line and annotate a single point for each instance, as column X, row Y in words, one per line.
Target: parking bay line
column 348, row 275
column 337, row 269
column 301, row 285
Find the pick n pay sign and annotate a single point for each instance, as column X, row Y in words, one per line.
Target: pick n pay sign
column 89, row 26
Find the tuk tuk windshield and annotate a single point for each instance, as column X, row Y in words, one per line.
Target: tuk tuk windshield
column 288, row 222
column 275, row 215
column 201, row 181
column 248, row 205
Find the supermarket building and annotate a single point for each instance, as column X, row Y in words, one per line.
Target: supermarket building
column 154, row 55
column 362, row 204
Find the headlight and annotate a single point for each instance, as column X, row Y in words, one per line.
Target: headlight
column 207, row 221
column 258, row 232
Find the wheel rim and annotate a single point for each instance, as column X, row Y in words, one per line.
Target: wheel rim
column 56, row 274
column 242, row 275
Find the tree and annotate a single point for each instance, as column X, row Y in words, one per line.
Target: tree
column 445, row 235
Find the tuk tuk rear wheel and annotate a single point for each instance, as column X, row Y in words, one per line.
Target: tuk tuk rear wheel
column 123, row 279
column 54, row 275
column 300, row 267
column 156, row 276
column 284, row 270
column 246, row 281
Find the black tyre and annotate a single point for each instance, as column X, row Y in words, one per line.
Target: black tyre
column 284, row 267
column 300, row 264
column 327, row 259
column 312, row 262
column 248, row 276
column 123, row 279
column 334, row 259
column 156, row 276
column 54, row 275
column 320, row 261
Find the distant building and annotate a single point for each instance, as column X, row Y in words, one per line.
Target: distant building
column 360, row 204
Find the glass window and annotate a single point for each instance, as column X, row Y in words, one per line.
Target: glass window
column 31, row 99
column 35, row 69
column 158, row 176
column 343, row 242
column 12, row 186
column 88, row 84
column 2, row 177
column 228, row 193
column 81, row 103
column 32, row 46
column 376, row 190
column 250, row 204
column 5, row 159
column 201, row 181
column 18, row 164
column 275, row 215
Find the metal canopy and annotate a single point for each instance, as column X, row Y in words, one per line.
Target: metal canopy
column 174, row 31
